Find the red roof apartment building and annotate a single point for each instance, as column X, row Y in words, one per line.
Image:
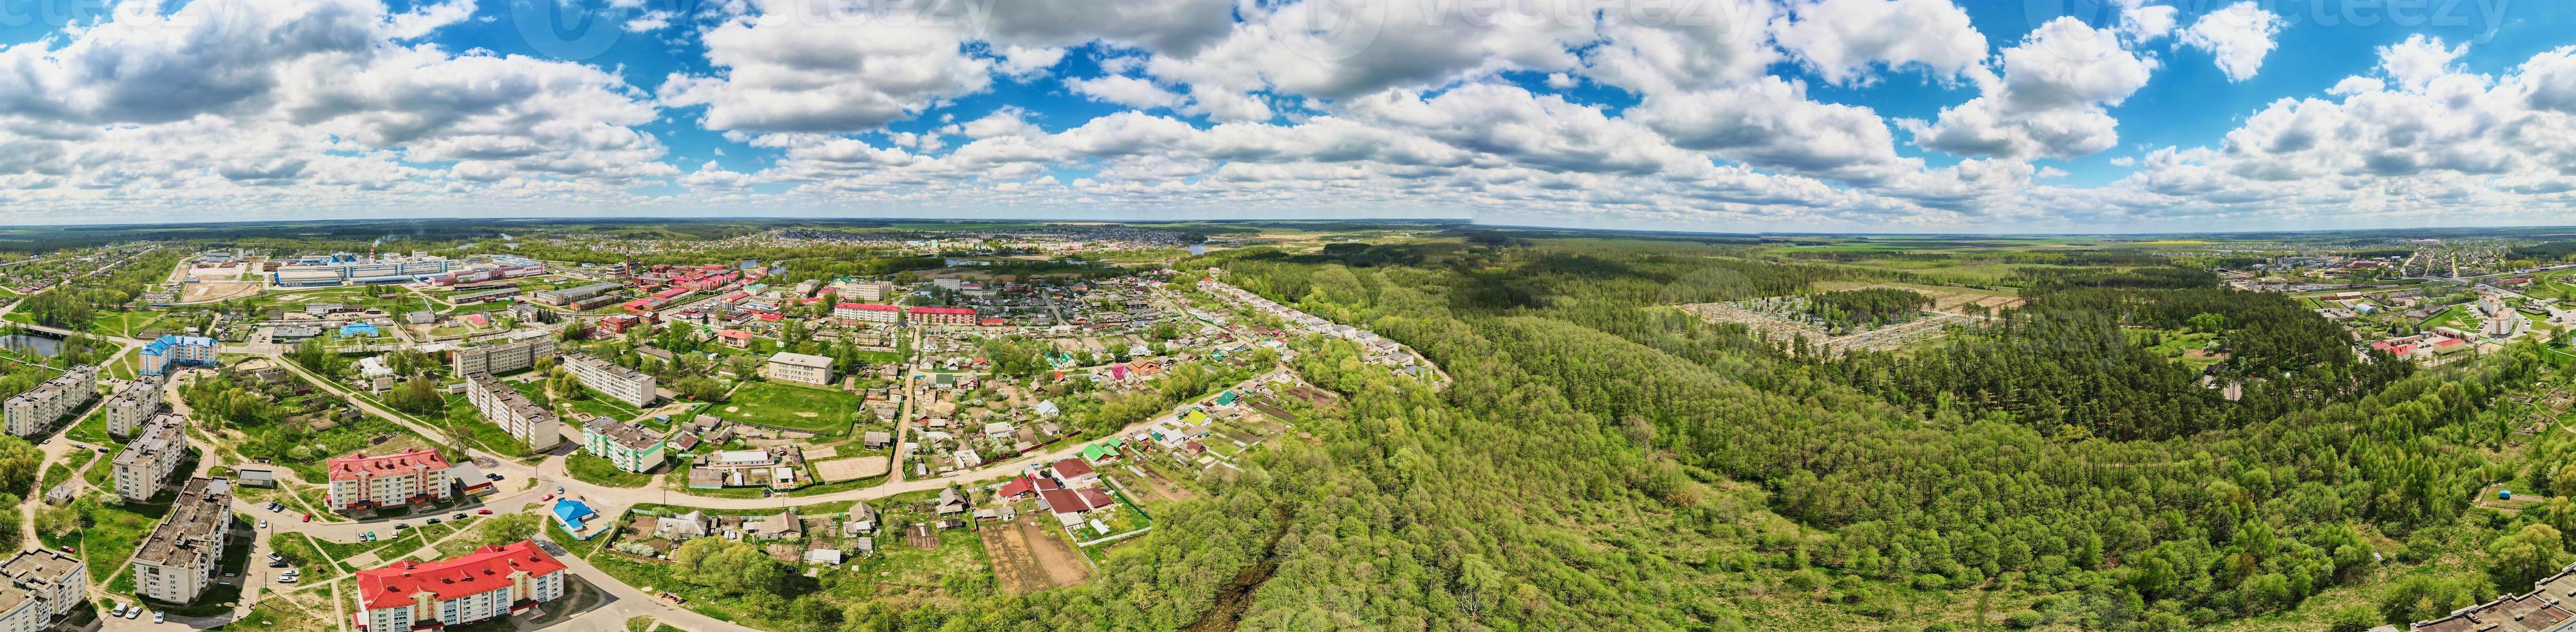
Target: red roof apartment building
column 367, row 482
column 940, row 315
column 491, row 582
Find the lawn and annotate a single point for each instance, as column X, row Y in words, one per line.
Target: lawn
column 301, row 551
column 593, row 404
column 92, row 428
column 826, row 412
column 115, row 530
column 598, row 471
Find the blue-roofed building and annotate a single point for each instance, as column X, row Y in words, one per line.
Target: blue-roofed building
column 182, row 350
column 575, row 516
column 359, row 329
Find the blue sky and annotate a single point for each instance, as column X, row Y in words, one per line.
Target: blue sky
column 1727, row 115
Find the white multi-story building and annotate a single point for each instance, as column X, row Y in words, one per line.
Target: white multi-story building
column 151, row 457
column 855, row 313
column 367, row 482
column 801, row 368
column 504, row 406
column 36, row 410
column 177, row 561
column 504, row 357
column 632, row 447
column 870, row 291
column 491, row 582
column 43, row 585
column 167, row 351
column 618, row 382
column 131, row 404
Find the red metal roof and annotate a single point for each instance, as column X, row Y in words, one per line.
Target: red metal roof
column 1070, row 469
column 868, row 306
column 397, row 463
column 485, row 570
column 942, row 310
column 734, row 333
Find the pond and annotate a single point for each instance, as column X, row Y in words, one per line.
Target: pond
column 1198, row 248
column 31, row 344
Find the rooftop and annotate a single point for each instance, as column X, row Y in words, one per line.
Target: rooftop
column 803, row 360
column 187, row 538
column 397, row 463
column 485, row 570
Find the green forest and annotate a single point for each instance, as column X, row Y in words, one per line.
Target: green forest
column 1604, row 461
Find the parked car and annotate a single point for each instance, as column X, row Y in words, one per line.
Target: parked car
column 401, row 526
column 427, row 522
column 119, row 612
column 263, row 523
column 482, row 512
column 160, row 617
column 275, row 556
column 136, row 612
column 277, row 564
column 459, row 516
column 308, row 517
column 288, row 579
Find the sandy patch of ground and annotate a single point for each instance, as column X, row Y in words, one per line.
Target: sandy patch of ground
column 851, row 469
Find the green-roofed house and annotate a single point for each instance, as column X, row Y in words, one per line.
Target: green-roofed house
column 1226, row 398
column 1102, row 452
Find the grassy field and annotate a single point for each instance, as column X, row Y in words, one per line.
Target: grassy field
column 597, row 470
column 827, row 412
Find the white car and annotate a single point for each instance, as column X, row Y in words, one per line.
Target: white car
column 119, row 612
column 263, row 523
column 136, row 612
column 159, row 617
column 287, row 579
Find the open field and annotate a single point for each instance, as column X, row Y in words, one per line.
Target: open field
column 826, row 412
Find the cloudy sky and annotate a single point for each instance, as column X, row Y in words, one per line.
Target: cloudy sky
column 1722, row 115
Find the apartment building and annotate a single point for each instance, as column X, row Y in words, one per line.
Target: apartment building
column 131, row 404
column 633, row 448
column 940, row 315
column 149, row 459
column 36, row 410
column 856, row 313
column 506, row 407
column 170, row 351
column 801, row 368
column 867, row 291
column 367, row 482
column 504, row 357
column 493, row 581
column 42, row 585
column 177, row 561
column 618, row 382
